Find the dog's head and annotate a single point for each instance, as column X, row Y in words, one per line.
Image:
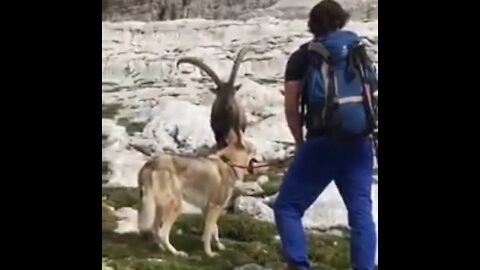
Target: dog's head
column 237, row 155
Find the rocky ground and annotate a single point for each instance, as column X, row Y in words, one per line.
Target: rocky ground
column 150, row 103
column 159, row 10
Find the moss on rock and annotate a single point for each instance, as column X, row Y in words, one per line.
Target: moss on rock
column 109, row 219
column 271, row 187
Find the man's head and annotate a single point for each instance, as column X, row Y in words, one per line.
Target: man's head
column 327, row 16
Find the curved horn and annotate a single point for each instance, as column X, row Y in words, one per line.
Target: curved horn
column 236, row 64
column 200, row 64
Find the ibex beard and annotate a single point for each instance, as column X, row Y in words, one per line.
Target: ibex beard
column 226, row 114
column 208, row 183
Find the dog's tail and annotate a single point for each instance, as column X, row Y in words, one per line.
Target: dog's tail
column 147, row 209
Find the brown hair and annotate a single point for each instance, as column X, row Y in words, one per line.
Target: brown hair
column 327, row 16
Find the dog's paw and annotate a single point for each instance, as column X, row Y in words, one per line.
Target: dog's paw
column 181, row 254
column 220, row 246
column 212, row 254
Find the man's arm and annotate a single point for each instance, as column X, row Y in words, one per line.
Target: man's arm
column 294, row 73
column 292, row 114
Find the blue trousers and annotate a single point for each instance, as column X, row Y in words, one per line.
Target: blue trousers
column 316, row 164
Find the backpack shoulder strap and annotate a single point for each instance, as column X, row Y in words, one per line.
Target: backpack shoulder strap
column 318, row 48
column 328, row 75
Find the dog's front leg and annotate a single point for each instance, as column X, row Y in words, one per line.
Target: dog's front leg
column 216, row 238
column 211, row 229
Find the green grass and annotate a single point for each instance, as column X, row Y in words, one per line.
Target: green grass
column 271, row 187
column 247, row 241
column 121, row 197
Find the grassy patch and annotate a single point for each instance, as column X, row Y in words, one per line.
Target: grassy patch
column 131, row 127
column 109, row 219
column 271, row 187
column 110, row 110
column 246, row 239
column 121, row 197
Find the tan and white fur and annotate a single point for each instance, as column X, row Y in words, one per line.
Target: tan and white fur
column 166, row 180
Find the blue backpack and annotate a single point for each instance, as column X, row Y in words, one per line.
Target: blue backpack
column 338, row 87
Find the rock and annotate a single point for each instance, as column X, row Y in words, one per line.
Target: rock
column 248, row 188
column 121, row 164
column 116, row 137
column 259, row 101
column 139, row 72
column 253, row 207
column 127, row 220
column 180, row 126
column 262, row 179
column 157, row 10
column 105, row 266
column 287, row 9
column 251, row 266
column 273, row 128
column 145, row 146
column 124, row 166
column 142, row 55
column 270, row 200
column 143, row 10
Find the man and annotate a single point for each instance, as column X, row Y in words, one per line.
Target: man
column 322, row 157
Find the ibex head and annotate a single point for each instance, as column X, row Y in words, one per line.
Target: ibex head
column 221, row 87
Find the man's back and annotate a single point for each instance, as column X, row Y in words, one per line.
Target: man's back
column 318, row 159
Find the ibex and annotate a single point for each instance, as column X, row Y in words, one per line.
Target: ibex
column 226, row 112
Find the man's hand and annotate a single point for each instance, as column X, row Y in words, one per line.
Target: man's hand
column 292, row 114
column 298, row 145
